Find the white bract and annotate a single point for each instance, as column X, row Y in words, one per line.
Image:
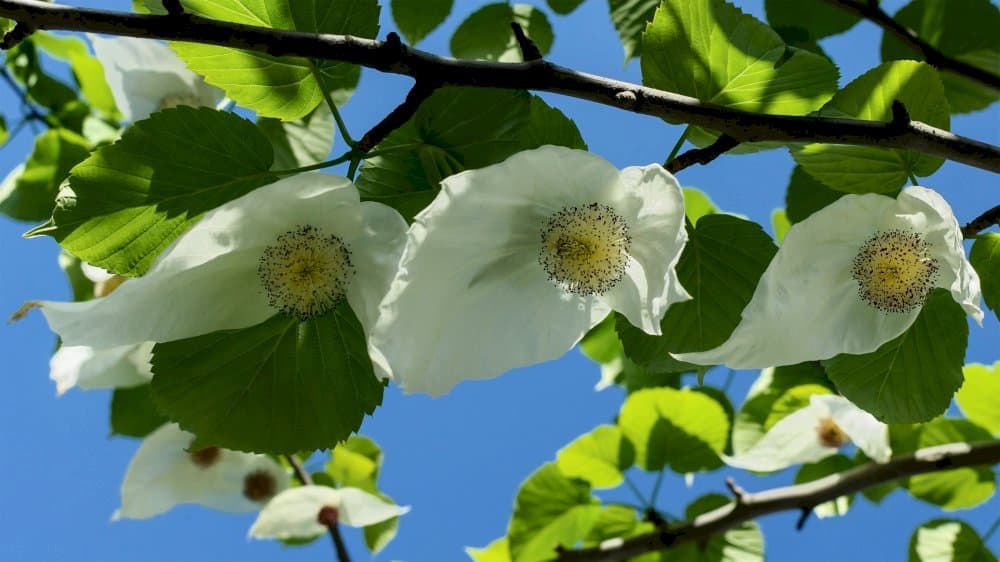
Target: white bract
column 511, row 264
column 146, row 76
column 166, row 472
column 89, row 368
column 297, row 512
column 849, row 278
column 297, row 247
column 814, row 433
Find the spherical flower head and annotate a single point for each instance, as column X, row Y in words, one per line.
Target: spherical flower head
column 296, row 247
column 305, row 512
column 167, row 470
column 511, row 264
column 850, row 278
column 813, row 433
column 146, row 76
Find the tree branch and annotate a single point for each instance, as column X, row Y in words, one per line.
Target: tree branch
column 395, row 119
column 873, row 13
column 702, row 155
column 802, row 497
column 538, row 75
column 331, row 522
column 982, row 222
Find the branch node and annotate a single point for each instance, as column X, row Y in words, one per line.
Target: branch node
column 982, row 222
column 627, row 99
column 738, row 492
column 702, row 156
column 173, row 7
column 803, row 517
column 529, row 50
column 900, row 115
column 653, row 516
column 19, row 33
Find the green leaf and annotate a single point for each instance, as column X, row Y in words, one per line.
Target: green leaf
column 564, row 7
column 4, row 135
column 978, row 396
column 721, row 264
column 814, row 471
column 30, row 194
column 128, row 201
column 865, row 169
column 302, row 142
column 486, row 34
column 731, row 59
column 682, row 429
column 806, row 195
column 741, row 544
column 780, row 224
column 496, row 551
column 960, row 488
column 772, row 397
column 615, row 521
column 81, row 287
column 948, row 540
column 281, row 386
column 89, row 73
column 24, row 63
column 379, row 535
column 6, row 25
column 599, row 457
column 458, row 129
column 808, row 21
column 964, row 30
column 417, row 18
column 550, row 510
column 697, row 204
column 133, row 412
column 630, row 18
column 356, row 463
column 985, row 258
column 913, row 377
column 283, row 87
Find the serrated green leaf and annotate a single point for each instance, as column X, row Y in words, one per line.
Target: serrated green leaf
column 978, row 396
column 458, row 129
column 282, row 87
column 486, row 34
column 985, row 258
column 133, row 412
column 965, row 30
column 615, row 521
column 960, row 488
column 417, row 18
column 806, row 195
column 630, row 18
column 682, row 429
column 599, row 457
column 808, row 21
column 128, row 201
column 30, row 194
column 948, row 540
column 912, row 377
column 731, row 59
column 721, row 264
column 866, row 169
column 550, row 510
column 814, row 471
column 356, row 463
column 302, row 142
column 741, row 544
column 279, row 387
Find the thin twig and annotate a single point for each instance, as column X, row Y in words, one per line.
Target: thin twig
column 702, row 156
column 875, row 14
column 397, row 117
column 12, row 38
column 799, row 497
column 982, row 222
column 743, row 126
column 331, row 523
column 529, row 50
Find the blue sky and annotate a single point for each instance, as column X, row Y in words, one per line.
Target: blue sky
column 458, row 459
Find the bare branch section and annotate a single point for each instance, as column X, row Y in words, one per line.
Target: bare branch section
column 537, row 75
column 873, row 13
column 982, row 222
column 326, row 516
column 802, row 498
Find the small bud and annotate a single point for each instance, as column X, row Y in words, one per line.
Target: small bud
column 328, row 516
column 204, row 458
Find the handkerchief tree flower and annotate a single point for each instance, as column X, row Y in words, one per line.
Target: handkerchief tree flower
column 513, row 263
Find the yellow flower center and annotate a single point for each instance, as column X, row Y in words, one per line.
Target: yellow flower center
column 305, row 273
column 585, row 249
column 894, row 271
column 173, row 101
column 830, row 435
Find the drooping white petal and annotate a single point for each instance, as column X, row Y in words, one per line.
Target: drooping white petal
column 207, row 279
column 294, row 513
column 142, row 73
column 869, row 434
column 793, row 440
column 162, row 475
column 806, row 305
column 471, row 299
column 375, row 253
column 117, row 367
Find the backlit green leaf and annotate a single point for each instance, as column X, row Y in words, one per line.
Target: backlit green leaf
column 417, row 18
column 599, row 457
column 744, row 543
column 985, row 258
column 301, row 142
column 948, row 540
column 960, row 488
column 487, row 35
column 630, row 18
column 979, row 393
column 29, row 193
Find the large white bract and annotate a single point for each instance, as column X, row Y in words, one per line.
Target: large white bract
column 166, row 471
column 146, row 76
column 243, row 263
column 511, row 264
column 849, row 278
column 296, row 512
column 815, row 432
